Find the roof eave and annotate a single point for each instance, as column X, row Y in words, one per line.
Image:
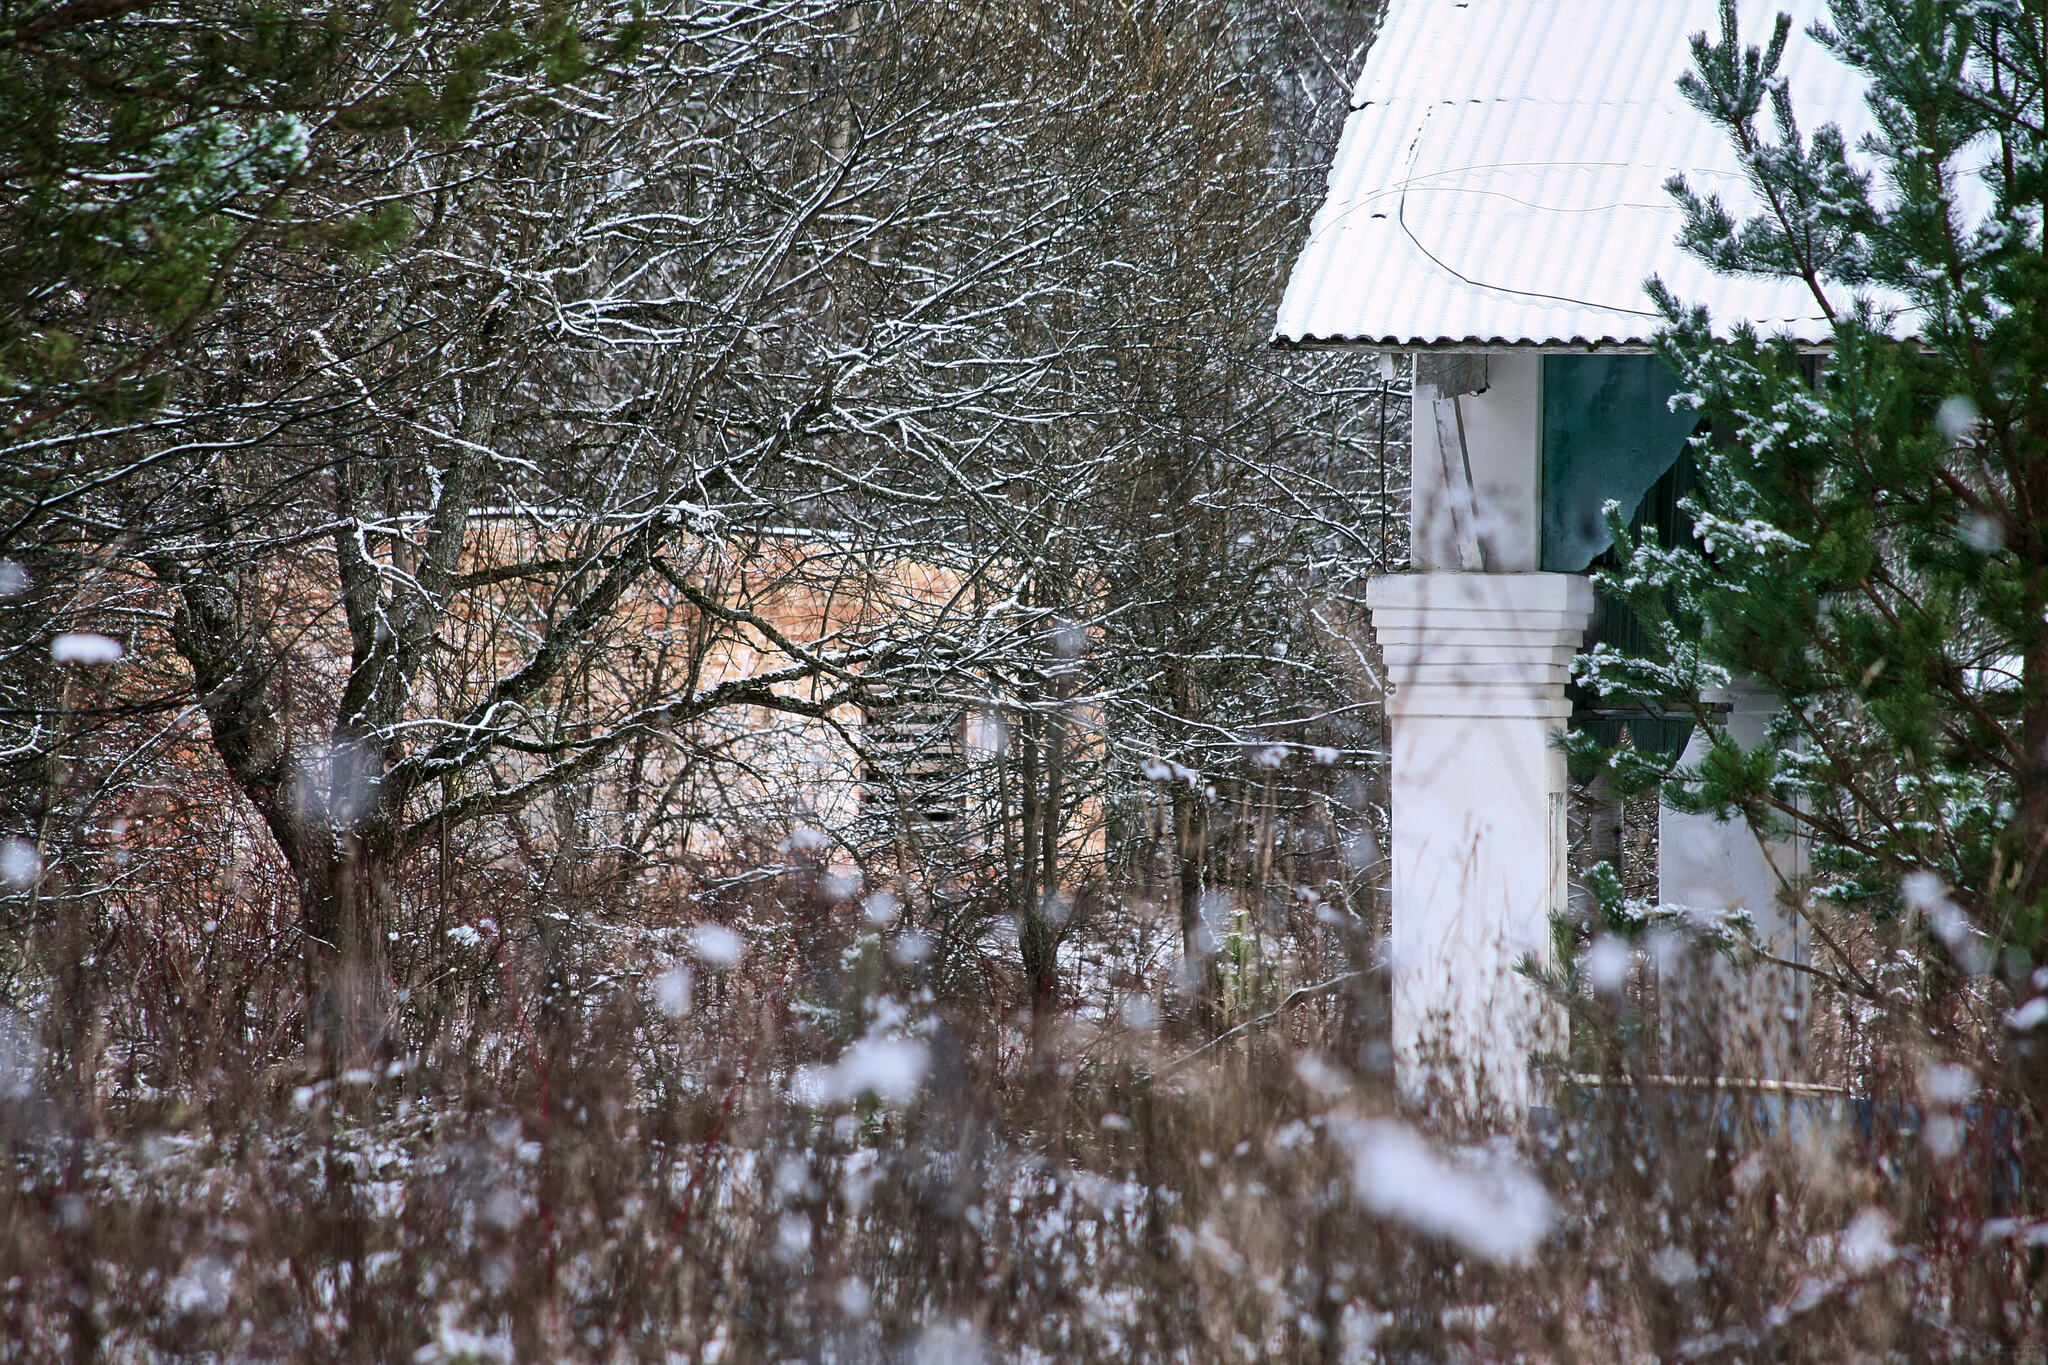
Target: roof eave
column 1492, row 345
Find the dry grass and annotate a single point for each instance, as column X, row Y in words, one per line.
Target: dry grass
column 553, row 1160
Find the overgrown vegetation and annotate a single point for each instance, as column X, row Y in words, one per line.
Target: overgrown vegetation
column 680, row 684
column 635, row 1145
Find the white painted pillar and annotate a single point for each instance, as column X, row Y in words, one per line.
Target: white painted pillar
column 1502, row 429
column 1478, row 664
column 1716, row 1017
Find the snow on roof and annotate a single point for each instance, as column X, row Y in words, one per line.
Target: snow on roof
column 1500, row 181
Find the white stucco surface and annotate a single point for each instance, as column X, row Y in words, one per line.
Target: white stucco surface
column 1719, row 1018
column 1478, row 664
column 1501, row 426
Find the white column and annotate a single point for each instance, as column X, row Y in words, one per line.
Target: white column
column 1502, row 429
column 1718, row 1018
column 1478, row 664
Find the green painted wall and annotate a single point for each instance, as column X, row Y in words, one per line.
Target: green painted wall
column 1608, row 432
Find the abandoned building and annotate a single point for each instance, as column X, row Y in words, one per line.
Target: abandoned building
column 1495, row 207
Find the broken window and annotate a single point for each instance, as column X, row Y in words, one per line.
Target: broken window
column 914, row 764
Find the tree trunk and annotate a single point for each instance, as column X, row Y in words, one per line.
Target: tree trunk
column 1038, row 937
column 335, row 822
column 1191, row 839
column 344, row 887
column 2031, row 883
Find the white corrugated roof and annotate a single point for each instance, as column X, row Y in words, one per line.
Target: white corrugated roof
column 1500, row 180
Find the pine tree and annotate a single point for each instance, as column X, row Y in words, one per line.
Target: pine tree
column 1870, row 536
column 145, row 148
